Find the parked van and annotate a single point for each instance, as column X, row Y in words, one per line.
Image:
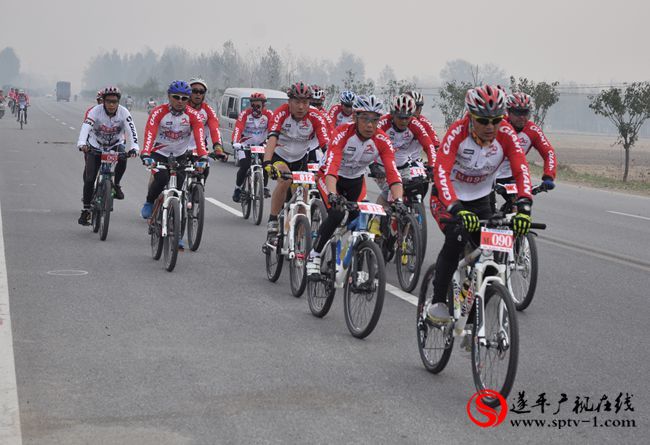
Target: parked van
column 234, row 101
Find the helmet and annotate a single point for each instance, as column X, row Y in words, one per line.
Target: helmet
column 317, row 93
column 21, row 91
column 111, row 91
column 299, row 90
column 258, row 96
column 194, row 80
column 417, row 97
column 99, row 95
column 403, row 105
column 368, row 103
column 179, row 87
column 347, row 97
column 520, row 101
column 486, row 101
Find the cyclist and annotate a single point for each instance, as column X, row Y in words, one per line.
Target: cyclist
column 426, row 123
column 151, row 104
column 22, row 99
column 208, row 116
column 99, row 100
column 409, row 138
column 129, row 102
column 2, row 95
column 354, row 146
column 287, row 146
column 252, row 128
column 341, row 113
column 530, row 136
column 104, row 128
column 174, row 129
column 467, row 164
column 317, row 100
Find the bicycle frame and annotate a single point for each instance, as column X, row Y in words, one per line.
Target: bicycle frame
column 169, row 194
column 292, row 210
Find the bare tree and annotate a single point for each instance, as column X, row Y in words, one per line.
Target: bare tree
column 544, row 95
column 627, row 109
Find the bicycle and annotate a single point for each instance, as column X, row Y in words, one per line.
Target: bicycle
column 522, row 262
column 22, row 114
column 294, row 237
column 101, row 205
column 317, row 209
column 477, row 292
column 352, row 260
column 193, row 205
column 416, row 183
column 166, row 219
column 252, row 191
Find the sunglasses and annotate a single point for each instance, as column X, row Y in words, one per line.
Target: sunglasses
column 486, row 121
column 516, row 112
column 197, row 91
column 368, row 119
column 181, row 98
column 256, row 106
column 111, row 101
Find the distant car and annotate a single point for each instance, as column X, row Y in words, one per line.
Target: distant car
column 233, row 101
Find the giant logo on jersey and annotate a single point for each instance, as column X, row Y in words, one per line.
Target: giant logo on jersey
column 109, row 130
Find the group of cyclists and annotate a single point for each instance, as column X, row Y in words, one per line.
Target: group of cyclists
column 16, row 99
column 487, row 145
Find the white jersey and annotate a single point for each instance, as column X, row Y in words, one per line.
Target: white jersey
column 103, row 131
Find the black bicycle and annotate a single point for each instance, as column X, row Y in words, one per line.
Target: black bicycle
column 101, row 205
column 193, row 204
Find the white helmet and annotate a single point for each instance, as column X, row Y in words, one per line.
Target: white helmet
column 403, row 105
column 368, row 103
column 417, row 96
column 194, row 80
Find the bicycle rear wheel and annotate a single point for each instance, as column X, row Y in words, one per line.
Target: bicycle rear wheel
column 258, row 197
column 522, row 271
column 409, row 253
column 195, row 217
column 435, row 343
column 246, row 196
column 274, row 258
column 155, row 230
column 364, row 289
column 421, row 216
column 494, row 363
column 318, row 214
column 298, row 265
column 105, row 209
column 95, row 206
column 170, row 242
column 321, row 291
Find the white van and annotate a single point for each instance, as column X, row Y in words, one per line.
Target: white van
column 234, row 100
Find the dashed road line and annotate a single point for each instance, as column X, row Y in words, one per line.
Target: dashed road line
column 629, row 214
column 225, row 207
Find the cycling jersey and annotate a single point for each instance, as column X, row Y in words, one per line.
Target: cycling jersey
column 426, row 123
column 103, row 131
column 211, row 122
column 293, row 136
column 466, row 171
column 348, row 156
column 408, row 144
column 337, row 116
column 313, row 143
column 22, row 99
column 170, row 133
column 532, row 136
column 250, row 129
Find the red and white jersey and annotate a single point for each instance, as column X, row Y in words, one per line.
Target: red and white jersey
column 466, row 171
column 426, row 123
column 250, row 129
column 293, row 136
column 348, row 156
column 338, row 117
column 533, row 136
column 408, row 144
column 173, row 133
column 210, row 123
column 100, row 130
column 313, row 143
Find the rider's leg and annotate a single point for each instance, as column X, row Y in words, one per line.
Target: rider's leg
column 91, row 169
column 160, row 179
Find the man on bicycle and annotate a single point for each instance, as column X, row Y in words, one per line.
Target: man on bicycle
column 294, row 124
column 317, row 101
column 354, row 147
column 409, row 138
column 22, row 99
column 252, row 128
column 208, row 116
column 530, row 136
column 173, row 129
column 426, row 123
column 341, row 113
column 104, row 128
column 465, row 169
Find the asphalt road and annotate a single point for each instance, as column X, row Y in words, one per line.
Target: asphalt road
column 213, row 353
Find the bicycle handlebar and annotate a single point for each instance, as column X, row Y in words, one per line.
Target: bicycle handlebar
column 493, row 222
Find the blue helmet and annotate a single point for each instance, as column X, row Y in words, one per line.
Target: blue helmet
column 347, row 97
column 179, row 87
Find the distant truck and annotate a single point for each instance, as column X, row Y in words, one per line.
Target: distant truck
column 63, row 91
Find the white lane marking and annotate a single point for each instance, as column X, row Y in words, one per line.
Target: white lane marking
column 71, row 128
column 63, row 123
column 225, row 207
column 10, row 432
column 627, row 214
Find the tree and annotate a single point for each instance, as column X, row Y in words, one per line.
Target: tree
column 394, row 87
column 461, row 70
column 627, row 109
column 544, row 95
column 350, row 82
column 452, row 100
column 271, row 69
column 9, row 65
column 387, row 75
column 348, row 62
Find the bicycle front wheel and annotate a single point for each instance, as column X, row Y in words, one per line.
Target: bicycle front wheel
column 494, row 359
column 195, row 217
column 409, row 253
column 155, row 231
column 522, row 271
column 246, row 196
column 96, row 207
column 298, row 264
column 274, row 259
column 258, row 197
column 105, row 209
column 364, row 289
column 170, row 242
column 320, row 291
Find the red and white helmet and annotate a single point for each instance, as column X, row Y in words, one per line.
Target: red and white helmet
column 299, row 90
column 486, row 101
column 520, row 101
column 258, row 96
column 111, row 91
column 403, row 105
column 417, row 96
column 100, row 93
column 317, row 93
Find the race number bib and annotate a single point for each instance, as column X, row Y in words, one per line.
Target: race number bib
column 312, row 166
column 497, row 239
column 511, row 189
column 257, row 149
column 303, row 178
column 109, row 157
column 371, row 209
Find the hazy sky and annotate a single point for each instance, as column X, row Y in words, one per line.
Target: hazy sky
column 585, row 41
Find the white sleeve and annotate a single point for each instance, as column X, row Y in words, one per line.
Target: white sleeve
column 128, row 121
column 86, row 128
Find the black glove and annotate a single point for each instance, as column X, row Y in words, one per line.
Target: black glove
column 429, row 169
column 399, row 207
column 132, row 153
column 336, row 201
column 522, row 220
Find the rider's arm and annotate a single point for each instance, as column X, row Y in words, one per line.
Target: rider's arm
column 334, row 111
column 333, row 158
column 445, row 160
column 196, row 123
column 239, row 126
column 426, row 123
column 131, row 127
column 276, row 128
column 387, row 155
column 509, row 140
column 320, row 127
column 425, row 141
column 213, row 124
column 151, row 128
column 86, row 127
column 544, row 147
column 385, row 122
